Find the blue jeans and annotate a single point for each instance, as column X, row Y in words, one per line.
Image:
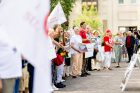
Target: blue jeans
column 16, row 88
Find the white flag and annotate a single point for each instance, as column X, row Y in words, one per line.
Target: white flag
column 57, row 16
column 25, row 22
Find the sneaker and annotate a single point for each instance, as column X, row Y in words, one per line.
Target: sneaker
column 55, row 88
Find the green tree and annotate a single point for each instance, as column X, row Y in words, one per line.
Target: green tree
column 90, row 16
column 66, row 5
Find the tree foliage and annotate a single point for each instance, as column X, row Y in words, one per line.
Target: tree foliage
column 66, row 5
column 90, row 16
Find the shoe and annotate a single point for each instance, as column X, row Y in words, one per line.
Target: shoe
column 94, row 69
column 109, row 69
column 60, row 85
column 118, row 66
column 91, row 70
column 74, row 77
column 83, row 75
column 55, row 88
column 63, row 80
column 128, row 62
column 87, row 73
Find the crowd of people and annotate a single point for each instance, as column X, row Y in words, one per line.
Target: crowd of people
column 70, row 59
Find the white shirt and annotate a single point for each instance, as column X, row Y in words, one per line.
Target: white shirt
column 76, row 40
column 10, row 59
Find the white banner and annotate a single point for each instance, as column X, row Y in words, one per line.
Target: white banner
column 57, row 16
column 25, row 22
column 90, row 48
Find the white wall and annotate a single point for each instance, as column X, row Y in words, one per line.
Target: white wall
column 119, row 15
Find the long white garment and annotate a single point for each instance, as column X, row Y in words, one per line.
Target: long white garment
column 107, row 59
column 10, row 59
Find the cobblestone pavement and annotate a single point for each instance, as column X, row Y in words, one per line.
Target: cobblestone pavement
column 103, row 82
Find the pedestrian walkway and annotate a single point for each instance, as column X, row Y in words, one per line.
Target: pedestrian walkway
column 103, row 82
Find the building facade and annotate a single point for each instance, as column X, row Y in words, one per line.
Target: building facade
column 120, row 15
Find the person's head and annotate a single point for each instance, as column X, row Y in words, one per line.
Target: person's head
column 67, row 34
column 76, row 30
column 96, row 33
column 120, row 34
column 124, row 34
column 58, row 29
column 108, row 32
column 88, row 29
column 129, row 33
column 83, row 25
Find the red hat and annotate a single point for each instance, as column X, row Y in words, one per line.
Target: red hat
column 108, row 30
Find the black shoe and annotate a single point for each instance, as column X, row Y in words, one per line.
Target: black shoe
column 91, row 70
column 128, row 62
column 118, row 66
column 87, row 73
column 60, row 85
column 74, row 77
column 83, row 75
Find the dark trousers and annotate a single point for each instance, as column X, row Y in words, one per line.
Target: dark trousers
column 54, row 73
column 130, row 52
column 89, row 67
column 84, row 66
column 16, row 88
column 31, row 78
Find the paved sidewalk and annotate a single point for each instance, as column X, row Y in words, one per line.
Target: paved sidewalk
column 103, row 82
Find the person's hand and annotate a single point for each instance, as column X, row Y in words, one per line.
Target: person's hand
column 63, row 47
column 80, row 51
column 23, row 57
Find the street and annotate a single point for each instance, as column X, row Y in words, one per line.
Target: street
column 104, row 81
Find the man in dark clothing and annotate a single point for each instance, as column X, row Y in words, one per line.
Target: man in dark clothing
column 130, row 42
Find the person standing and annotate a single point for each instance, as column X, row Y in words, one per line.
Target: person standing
column 58, row 68
column 10, row 63
column 130, row 42
column 118, row 41
column 108, row 46
column 85, row 40
column 97, row 46
column 124, row 50
column 76, row 54
column 89, row 36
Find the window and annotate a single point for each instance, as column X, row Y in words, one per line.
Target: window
column 133, row 1
column 121, row 1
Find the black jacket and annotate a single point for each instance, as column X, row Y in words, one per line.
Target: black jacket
column 132, row 42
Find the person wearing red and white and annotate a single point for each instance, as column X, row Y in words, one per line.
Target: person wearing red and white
column 85, row 40
column 108, row 46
